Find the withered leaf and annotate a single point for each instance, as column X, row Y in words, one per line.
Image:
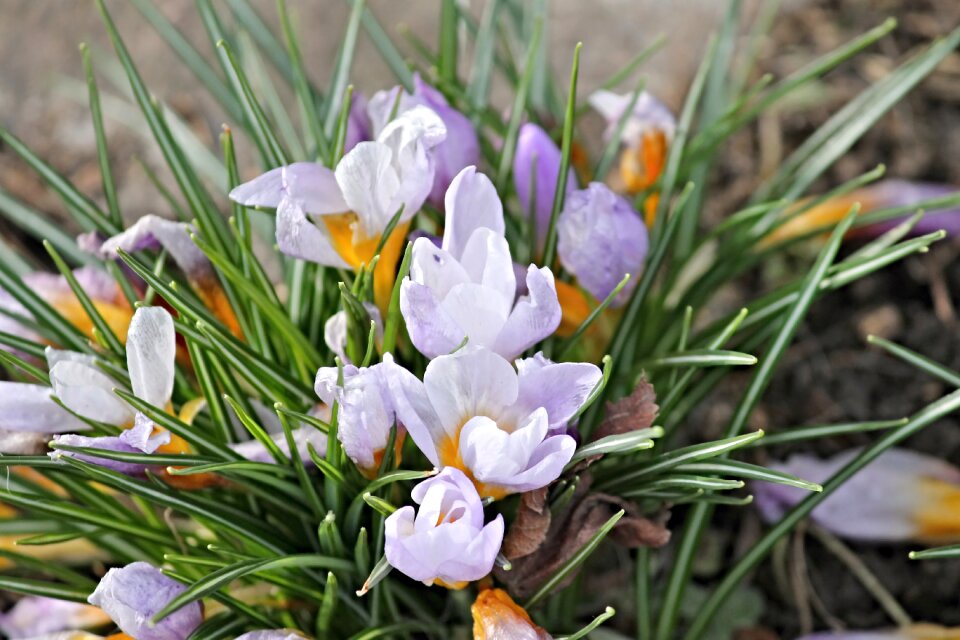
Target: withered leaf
column 569, row 530
column 529, row 528
column 635, row 411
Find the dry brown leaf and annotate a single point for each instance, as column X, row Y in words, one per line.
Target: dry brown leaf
column 570, row 529
column 631, row 413
column 529, row 528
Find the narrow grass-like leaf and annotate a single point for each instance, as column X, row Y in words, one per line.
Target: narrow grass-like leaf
column 43, row 589
column 608, row 613
column 799, row 434
column 700, row 358
column 566, row 147
column 392, row 325
column 86, row 212
column 339, row 79
column 618, row 444
column 517, row 111
column 749, row 471
column 921, row 362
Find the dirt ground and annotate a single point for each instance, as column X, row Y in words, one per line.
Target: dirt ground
column 830, row 375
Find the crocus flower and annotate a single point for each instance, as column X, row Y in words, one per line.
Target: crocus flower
column 34, row 615
column 880, row 195
column 444, row 541
column 132, row 595
column 99, row 286
column 536, row 169
column 461, row 147
column 910, row 632
column 497, row 617
column 336, row 218
column 366, row 414
column 467, row 288
column 273, row 634
column 84, row 389
column 505, row 429
column 154, row 232
column 600, row 238
column 335, row 331
column 902, row 495
column 646, row 135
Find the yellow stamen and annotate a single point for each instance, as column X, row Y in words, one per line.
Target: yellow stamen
column 178, row 446
column 357, row 249
column 938, row 518
column 372, row 472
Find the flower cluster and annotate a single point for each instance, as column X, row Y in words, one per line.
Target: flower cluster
column 417, row 392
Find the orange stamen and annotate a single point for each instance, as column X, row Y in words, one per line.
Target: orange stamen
column 574, row 307
column 495, row 611
column 641, row 165
column 938, row 518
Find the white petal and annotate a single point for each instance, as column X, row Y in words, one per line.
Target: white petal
column 479, row 311
column 153, row 232
column 28, row 407
column 534, row 317
column 486, row 259
column 413, row 408
column 471, row 203
column 265, row 190
column 432, row 331
column 54, row 356
column 369, row 183
column 298, row 237
column 471, row 382
column 315, row 186
column 151, row 351
column 89, row 392
column 435, row 268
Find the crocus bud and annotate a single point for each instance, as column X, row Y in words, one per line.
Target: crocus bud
column 461, row 147
column 445, row 540
column 902, row 495
column 335, row 331
column 366, row 412
column 601, row 238
column 497, row 617
column 646, row 135
column 132, row 595
column 536, row 169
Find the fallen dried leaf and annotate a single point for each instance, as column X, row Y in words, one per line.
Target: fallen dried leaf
column 635, row 411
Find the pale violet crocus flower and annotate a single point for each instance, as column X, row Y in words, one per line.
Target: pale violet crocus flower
column 504, row 428
column 646, row 135
column 337, row 217
column 34, row 616
column 133, row 594
column 366, row 416
column 445, row 540
column 304, row 437
column 153, row 232
column 902, row 495
column 466, row 289
column 600, row 239
column 88, row 391
column 536, row 169
column 460, row 149
column 335, row 331
column 497, row 616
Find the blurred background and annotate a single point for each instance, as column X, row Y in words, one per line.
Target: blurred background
column 830, row 375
